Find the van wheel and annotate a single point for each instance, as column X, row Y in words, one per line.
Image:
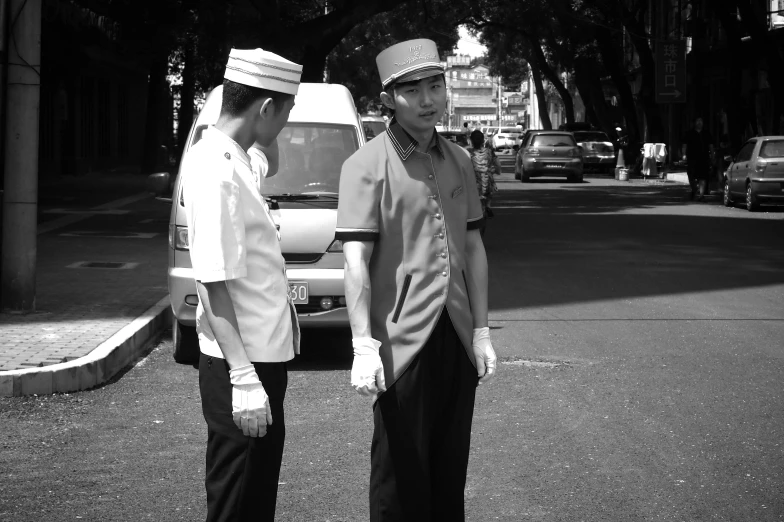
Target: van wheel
column 727, row 196
column 751, row 199
column 186, row 343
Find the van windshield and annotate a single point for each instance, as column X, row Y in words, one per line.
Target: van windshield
column 311, row 156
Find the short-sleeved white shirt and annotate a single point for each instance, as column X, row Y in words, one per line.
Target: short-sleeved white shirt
column 233, row 238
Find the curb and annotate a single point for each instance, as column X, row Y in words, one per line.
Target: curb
column 95, row 368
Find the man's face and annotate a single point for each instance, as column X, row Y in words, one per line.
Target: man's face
column 271, row 120
column 420, row 105
column 698, row 125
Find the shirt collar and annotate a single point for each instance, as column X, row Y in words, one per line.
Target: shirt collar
column 225, row 142
column 405, row 144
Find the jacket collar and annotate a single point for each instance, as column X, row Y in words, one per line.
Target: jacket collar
column 405, row 144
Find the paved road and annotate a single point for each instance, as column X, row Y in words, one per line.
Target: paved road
column 642, row 345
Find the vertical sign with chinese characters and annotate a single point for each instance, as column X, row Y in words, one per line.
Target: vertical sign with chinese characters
column 671, row 71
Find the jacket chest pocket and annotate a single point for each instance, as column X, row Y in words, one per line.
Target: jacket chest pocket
column 402, row 298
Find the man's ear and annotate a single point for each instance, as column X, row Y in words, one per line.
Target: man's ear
column 387, row 100
column 267, row 108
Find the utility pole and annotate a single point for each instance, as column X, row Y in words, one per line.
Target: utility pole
column 20, row 198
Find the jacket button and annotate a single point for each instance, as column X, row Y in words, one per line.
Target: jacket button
column 430, row 176
column 437, row 216
column 444, row 273
column 227, row 155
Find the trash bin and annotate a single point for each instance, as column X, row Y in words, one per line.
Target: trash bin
column 623, row 174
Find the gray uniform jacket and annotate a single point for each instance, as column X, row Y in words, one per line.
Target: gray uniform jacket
column 417, row 208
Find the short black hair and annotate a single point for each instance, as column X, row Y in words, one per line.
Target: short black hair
column 237, row 97
column 477, row 139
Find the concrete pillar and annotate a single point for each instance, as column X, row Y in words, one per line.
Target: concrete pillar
column 20, row 199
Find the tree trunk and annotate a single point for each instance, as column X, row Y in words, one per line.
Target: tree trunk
column 639, row 38
column 736, row 119
column 612, row 62
column 154, row 135
column 552, row 77
column 544, row 114
column 187, row 94
column 766, row 45
column 592, row 93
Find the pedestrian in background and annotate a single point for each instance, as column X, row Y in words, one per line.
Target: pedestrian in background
column 416, row 285
column 486, row 167
column 246, row 322
column 698, row 153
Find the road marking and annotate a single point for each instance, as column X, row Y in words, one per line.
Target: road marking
column 103, row 265
column 111, row 234
column 75, row 218
column 105, row 212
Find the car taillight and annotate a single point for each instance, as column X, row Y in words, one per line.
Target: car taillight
column 532, row 152
column 762, row 163
column 575, row 152
column 336, row 247
column 178, row 237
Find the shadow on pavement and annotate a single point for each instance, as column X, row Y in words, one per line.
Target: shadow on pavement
column 555, row 251
column 324, row 349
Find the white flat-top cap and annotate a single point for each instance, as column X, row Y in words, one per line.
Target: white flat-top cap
column 263, row 69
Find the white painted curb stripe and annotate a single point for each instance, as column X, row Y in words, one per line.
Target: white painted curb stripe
column 95, row 368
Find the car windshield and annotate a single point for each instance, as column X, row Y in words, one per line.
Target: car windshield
column 552, row 140
column 311, row 156
column 591, row 136
column 373, row 128
column 772, row 149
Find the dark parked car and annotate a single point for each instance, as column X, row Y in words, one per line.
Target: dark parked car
column 757, row 173
column 598, row 150
column 550, row 153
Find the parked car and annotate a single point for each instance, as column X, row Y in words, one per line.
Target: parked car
column 756, row 174
column 598, row 150
column 372, row 126
column 551, row 153
column 506, row 138
column 323, row 130
column 459, row 137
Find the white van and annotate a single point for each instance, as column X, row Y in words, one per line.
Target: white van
column 324, row 129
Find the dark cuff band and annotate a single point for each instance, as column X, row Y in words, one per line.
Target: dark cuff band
column 476, row 225
column 356, row 236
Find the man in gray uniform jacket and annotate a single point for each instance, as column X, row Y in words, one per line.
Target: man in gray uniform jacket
column 416, row 286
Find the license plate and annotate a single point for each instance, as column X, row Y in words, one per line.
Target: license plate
column 298, row 292
column 553, row 166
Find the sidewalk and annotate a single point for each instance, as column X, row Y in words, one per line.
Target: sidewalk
column 101, row 290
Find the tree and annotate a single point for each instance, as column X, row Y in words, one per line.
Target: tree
column 353, row 61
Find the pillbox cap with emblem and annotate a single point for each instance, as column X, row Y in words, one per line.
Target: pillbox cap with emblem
column 264, row 70
column 409, row 61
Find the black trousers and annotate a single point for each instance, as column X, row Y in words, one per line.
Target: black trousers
column 422, row 435
column 242, row 472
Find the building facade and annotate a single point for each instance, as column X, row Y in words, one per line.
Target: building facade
column 93, row 97
column 473, row 95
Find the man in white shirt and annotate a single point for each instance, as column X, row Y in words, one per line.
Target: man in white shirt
column 246, row 322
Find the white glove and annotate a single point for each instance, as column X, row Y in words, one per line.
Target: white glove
column 367, row 372
column 484, row 354
column 250, row 406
